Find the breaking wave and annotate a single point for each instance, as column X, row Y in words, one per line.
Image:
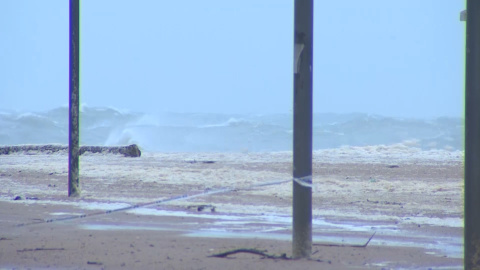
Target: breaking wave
column 196, row 132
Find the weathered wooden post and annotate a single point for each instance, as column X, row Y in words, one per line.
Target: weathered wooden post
column 302, row 129
column 74, row 91
column 472, row 138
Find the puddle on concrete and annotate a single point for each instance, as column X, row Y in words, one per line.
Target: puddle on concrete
column 270, row 219
column 433, row 221
column 452, row 248
column 159, row 212
column 393, row 265
column 104, row 227
column 101, row 206
column 439, row 246
column 279, row 228
column 65, row 214
column 80, row 204
column 287, row 236
column 243, row 235
column 359, row 225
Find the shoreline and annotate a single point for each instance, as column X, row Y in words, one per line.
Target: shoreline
column 415, row 207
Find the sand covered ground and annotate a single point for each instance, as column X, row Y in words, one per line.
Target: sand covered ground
column 180, row 208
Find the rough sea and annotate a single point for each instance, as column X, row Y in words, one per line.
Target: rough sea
column 211, row 132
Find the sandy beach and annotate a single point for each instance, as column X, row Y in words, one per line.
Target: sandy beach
column 174, row 210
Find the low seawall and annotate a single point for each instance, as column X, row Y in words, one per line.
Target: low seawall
column 128, row 151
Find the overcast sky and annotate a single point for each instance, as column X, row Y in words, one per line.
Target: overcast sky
column 394, row 58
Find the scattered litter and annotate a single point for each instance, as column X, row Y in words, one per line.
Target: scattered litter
column 203, row 161
column 202, row 207
column 39, row 249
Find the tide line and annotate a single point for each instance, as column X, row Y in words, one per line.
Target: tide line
column 157, row 202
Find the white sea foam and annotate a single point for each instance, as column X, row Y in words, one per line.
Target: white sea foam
column 194, row 132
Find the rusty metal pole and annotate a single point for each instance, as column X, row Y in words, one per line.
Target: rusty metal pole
column 74, row 91
column 302, row 129
column 472, row 138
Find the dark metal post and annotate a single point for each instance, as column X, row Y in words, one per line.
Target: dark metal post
column 74, row 91
column 302, row 129
column 472, row 138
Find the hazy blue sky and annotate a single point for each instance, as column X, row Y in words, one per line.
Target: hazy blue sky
column 396, row 58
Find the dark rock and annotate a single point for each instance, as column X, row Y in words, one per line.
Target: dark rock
column 208, row 161
column 202, row 207
column 128, row 151
column 131, row 151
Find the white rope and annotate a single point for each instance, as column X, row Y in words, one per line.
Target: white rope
column 305, row 181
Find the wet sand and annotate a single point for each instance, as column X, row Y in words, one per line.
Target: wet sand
column 196, row 204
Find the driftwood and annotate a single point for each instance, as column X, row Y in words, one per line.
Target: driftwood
column 251, row 251
column 261, row 253
column 283, row 256
column 128, row 151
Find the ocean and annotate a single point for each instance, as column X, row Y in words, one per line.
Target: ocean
column 216, row 132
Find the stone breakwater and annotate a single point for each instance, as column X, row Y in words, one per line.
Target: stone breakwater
column 128, row 151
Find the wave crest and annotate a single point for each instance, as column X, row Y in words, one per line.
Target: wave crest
column 223, row 132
